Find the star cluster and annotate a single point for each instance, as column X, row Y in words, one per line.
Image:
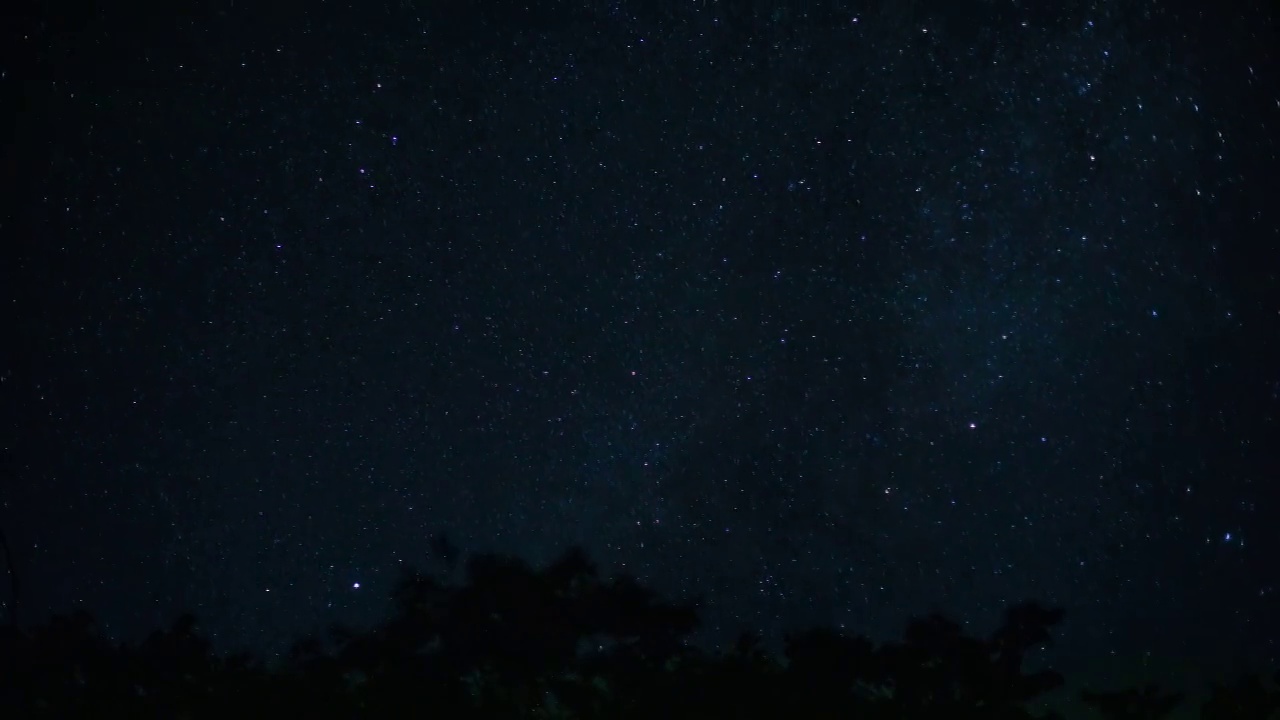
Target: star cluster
column 823, row 315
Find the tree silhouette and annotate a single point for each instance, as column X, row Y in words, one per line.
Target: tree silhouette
column 509, row 641
column 1147, row 703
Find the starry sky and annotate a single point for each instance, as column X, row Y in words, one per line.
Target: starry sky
column 823, row 311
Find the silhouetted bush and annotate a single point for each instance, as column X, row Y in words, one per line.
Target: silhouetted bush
column 513, row 642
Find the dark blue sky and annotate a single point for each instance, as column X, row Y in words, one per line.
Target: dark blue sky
column 825, row 312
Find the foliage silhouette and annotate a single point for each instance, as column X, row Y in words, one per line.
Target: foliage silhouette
column 509, row 641
column 1147, row 703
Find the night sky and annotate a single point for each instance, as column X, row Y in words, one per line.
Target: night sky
column 825, row 312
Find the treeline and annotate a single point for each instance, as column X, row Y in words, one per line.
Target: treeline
column 562, row 642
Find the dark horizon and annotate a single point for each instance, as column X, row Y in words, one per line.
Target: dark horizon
column 502, row 638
